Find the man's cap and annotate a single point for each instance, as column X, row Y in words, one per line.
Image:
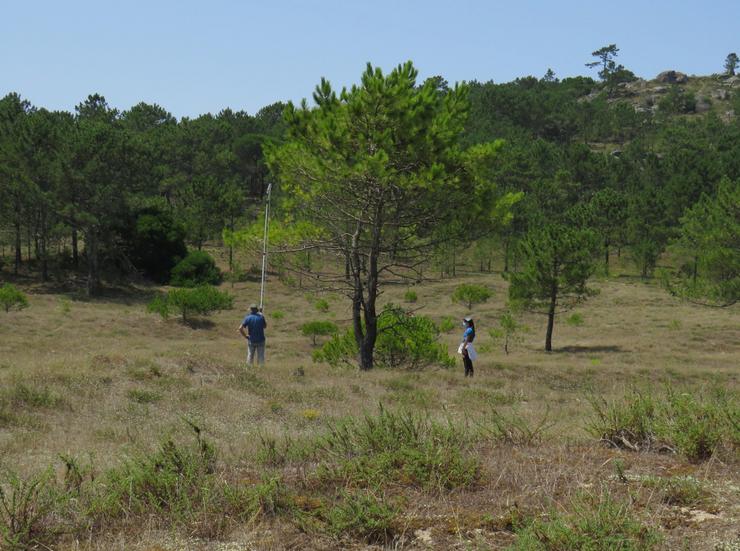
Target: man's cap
column 253, row 307
column 467, row 318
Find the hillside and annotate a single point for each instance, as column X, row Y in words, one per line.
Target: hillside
column 711, row 93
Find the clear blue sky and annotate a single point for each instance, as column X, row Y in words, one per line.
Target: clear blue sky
column 194, row 57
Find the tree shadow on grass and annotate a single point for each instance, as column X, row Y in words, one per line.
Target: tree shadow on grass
column 198, row 323
column 126, row 295
column 589, row 349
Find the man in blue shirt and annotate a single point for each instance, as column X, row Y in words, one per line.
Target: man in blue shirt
column 255, row 323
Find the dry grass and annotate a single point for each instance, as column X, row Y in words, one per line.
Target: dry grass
column 114, row 380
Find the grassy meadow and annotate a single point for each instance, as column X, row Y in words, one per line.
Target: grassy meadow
column 151, row 434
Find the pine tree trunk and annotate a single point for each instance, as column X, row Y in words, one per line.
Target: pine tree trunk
column 606, row 257
column 29, row 239
column 551, row 316
column 506, row 256
column 44, row 248
column 18, row 255
column 93, row 269
column 75, row 250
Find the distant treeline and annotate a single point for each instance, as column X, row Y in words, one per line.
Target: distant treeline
column 90, row 176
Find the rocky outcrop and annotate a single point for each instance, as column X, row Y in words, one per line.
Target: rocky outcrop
column 702, row 105
column 672, row 77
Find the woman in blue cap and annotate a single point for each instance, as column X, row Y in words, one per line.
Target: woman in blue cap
column 466, row 347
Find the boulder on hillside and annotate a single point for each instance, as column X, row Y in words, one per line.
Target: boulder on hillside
column 720, row 94
column 672, row 77
column 636, row 85
column 702, row 105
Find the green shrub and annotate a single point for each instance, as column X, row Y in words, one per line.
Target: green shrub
column 361, row 515
column 692, row 425
column 277, row 315
column 513, row 428
column 11, row 298
column 627, row 423
column 404, row 341
column 409, row 341
column 596, row 522
column 322, row 305
column 447, row 324
column 197, row 268
column 341, row 349
column 143, row 396
column 575, row 320
column 34, row 396
column 65, row 306
column 410, row 296
column 469, row 294
column 269, row 498
column 677, row 101
column 27, row 511
column 314, row 329
column 201, row 300
column 396, row 447
column 695, row 428
column 683, row 491
column 174, row 481
column 509, row 330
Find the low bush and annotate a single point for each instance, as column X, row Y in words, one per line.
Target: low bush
column 595, row 522
column 27, row 511
column 447, row 324
column 513, row 428
column 396, row 447
column 410, row 296
column 404, row 341
column 315, row 329
column 201, row 300
column 509, row 331
column 33, row 396
column 684, row 491
column 409, row 341
column 175, row 481
column 322, row 305
column 575, row 320
column 694, row 426
column 627, row 423
column 197, row 268
column 361, row 515
column 12, row 299
column 470, row 294
column 143, row 396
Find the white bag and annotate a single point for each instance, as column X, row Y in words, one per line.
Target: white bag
column 472, row 354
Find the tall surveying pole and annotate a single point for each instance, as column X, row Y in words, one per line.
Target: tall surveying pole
column 264, row 247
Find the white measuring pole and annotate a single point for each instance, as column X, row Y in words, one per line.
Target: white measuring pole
column 264, row 247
